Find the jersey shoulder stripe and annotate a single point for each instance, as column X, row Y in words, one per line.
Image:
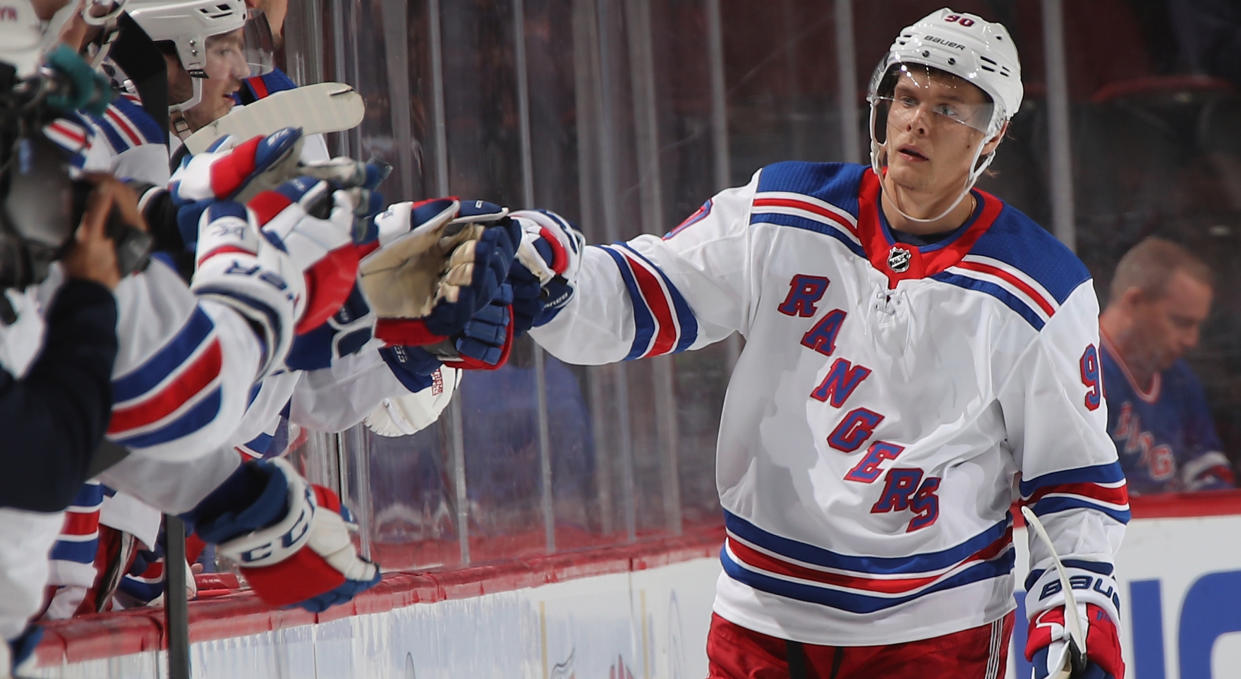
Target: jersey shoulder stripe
column 125, row 125
column 1034, row 314
column 819, row 197
column 1022, row 265
column 1018, row 245
column 136, row 120
column 833, row 183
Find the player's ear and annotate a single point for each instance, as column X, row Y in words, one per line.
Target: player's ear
column 990, row 146
column 1133, row 296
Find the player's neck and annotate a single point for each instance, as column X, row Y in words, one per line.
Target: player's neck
column 900, row 203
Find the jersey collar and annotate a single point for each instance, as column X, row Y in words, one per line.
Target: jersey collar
column 902, row 261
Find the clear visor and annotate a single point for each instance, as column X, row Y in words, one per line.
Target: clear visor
column 912, row 95
column 245, row 52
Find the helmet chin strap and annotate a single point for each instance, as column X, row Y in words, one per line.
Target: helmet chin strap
column 180, row 126
column 969, row 183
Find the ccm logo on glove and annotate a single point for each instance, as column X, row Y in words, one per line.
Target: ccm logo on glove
column 297, row 533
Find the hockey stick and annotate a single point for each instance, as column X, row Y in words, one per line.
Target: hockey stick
column 325, row 107
column 1075, row 661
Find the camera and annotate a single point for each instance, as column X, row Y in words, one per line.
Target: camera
column 41, row 205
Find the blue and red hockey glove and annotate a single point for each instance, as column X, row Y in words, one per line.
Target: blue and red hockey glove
column 437, row 280
column 1048, row 645
column 551, row 255
column 291, row 539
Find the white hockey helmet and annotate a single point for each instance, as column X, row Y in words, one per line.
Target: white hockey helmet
column 978, row 51
column 187, row 24
column 21, row 37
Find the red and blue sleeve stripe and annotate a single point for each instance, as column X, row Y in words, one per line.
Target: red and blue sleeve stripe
column 1101, row 488
column 663, row 320
column 172, row 394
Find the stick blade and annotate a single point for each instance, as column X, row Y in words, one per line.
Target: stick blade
column 318, row 108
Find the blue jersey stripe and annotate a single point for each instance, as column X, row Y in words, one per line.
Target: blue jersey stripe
column 808, row 225
column 1051, row 505
column 193, row 334
column 643, row 319
column 137, row 116
column 1107, row 473
column 118, row 143
column 77, row 552
column 260, row 443
column 1009, row 299
column 862, row 603
column 834, row 183
column 685, row 315
column 917, row 563
column 197, row 417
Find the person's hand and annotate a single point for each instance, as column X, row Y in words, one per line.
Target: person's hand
column 291, row 543
column 434, row 265
column 321, row 247
column 93, row 253
column 550, row 255
column 1048, row 647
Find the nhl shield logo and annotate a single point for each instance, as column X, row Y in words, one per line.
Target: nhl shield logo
column 899, row 259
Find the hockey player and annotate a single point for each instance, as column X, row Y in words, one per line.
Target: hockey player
column 914, row 349
column 183, row 369
column 361, row 377
column 1156, row 407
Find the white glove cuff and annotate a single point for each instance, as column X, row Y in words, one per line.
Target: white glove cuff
column 1089, row 587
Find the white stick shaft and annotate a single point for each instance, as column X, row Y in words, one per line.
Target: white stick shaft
column 1071, row 621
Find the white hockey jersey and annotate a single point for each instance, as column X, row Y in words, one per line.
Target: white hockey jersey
column 887, row 402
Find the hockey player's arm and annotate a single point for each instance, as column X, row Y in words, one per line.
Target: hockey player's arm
column 1206, row 466
column 1070, row 478
column 652, row 296
column 55, row 416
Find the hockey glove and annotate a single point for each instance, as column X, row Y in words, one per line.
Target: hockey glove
column 1048, row 647
column 236, row 268
column 438, row 263
column 229, row 171
column 410, row 413
column 344, row 334
column 322, row 248
column 290, row 538
column 551, row 252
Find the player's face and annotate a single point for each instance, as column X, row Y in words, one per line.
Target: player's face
column 1168, row 326
column 226, row 68
column 935, row 123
